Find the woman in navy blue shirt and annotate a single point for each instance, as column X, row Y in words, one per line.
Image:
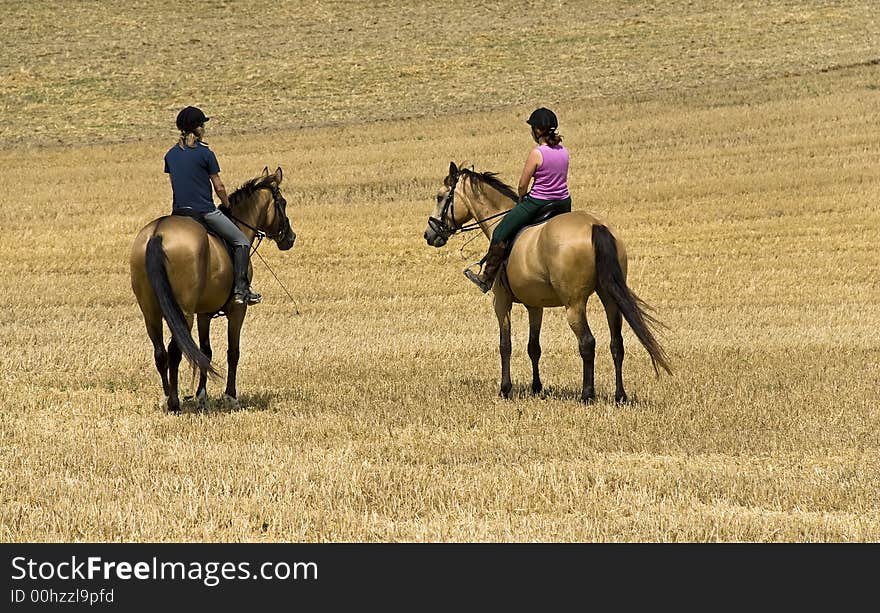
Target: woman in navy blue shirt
column 194, row 170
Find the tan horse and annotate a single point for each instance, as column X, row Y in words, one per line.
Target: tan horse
column 558, row 263
column 178, row 270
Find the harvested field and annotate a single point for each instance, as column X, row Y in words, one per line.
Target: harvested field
column 735, row 148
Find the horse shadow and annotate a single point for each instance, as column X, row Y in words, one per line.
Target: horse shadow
column 572, row 394
column 249, row 402
column 523, row 391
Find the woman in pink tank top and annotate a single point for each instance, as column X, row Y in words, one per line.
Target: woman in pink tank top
column 546, row 169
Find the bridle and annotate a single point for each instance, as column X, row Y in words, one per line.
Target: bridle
column 445, row 230
column 440, row 226
column 280, row 213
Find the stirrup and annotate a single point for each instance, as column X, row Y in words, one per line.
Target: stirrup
column 247, row 297
column 484, row 287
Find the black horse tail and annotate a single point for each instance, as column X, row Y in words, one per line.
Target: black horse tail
column 633, row 308
column 180, row 332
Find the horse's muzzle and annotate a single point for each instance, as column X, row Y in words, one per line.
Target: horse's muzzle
column 287, row 242
column 434, row 239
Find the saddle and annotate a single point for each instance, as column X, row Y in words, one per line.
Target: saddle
column 544, row 214
column 193, row 214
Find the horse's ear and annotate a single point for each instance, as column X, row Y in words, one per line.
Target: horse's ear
column 278, row 174
column 453, row 169
column 265, row 172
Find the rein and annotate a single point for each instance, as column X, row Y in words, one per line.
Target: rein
column 266, row 264
column 475, row 225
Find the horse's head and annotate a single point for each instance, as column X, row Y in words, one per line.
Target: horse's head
column 261, row 201
column 447, row 219
column 277, row 225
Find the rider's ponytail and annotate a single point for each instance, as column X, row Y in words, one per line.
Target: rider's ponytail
column 552, row 137
column 187, row 139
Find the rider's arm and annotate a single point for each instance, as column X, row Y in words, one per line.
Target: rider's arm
column 532, row 162
column 220, row 189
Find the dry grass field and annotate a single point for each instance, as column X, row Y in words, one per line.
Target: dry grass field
column 734, row 146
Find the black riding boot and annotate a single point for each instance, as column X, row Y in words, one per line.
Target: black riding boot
column 241, row 292
column 491, row 265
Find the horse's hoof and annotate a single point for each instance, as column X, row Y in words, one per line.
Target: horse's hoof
column 166, row 405
column 621, row 399
column 537, row 389
column 202, row 399
column 505, row 393
column 588, row 399
column 231, row 403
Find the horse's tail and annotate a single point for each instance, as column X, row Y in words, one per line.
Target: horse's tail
column 611, row 280
column 158, row 276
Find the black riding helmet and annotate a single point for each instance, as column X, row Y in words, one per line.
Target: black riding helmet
column 190, row 118
column 543, row 118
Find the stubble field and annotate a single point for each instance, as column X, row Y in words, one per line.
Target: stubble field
column 734, row 147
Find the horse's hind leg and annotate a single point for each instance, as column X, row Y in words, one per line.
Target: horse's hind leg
column 160, row 356
column 615, row 325
column 204, row 323
column 174, row 356
column 536, row 316
column 503, row 302
column 576, row 315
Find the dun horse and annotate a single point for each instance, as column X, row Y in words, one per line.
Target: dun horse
column 178, row 270
column 557, row 263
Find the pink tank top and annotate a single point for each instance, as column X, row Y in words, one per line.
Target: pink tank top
column 551, row 176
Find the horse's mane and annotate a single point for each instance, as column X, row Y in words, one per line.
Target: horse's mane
column 249, row 188
column 491, row 179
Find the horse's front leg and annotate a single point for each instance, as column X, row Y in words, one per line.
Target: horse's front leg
column 536, row 316
column 204, row 323
column 235, row 319
column 503, row 302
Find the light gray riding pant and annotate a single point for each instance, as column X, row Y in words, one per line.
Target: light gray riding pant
column 223, row 226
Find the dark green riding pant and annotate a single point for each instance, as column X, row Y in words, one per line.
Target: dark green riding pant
column 521, row 214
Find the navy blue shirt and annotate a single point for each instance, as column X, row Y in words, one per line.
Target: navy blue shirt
column 190, row 171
